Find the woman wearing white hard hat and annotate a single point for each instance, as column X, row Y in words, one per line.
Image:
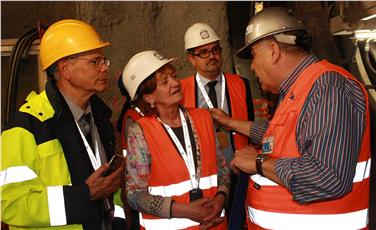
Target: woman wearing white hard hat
column 177, row 176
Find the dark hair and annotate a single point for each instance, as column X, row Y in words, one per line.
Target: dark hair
column 191, row 51
column 51, row 70
column 146, row 87
column 127, row 104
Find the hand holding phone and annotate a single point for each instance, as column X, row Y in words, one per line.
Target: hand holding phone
column 114, row 164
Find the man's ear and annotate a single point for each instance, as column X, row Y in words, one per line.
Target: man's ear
column 276, row 52
column 64, row 69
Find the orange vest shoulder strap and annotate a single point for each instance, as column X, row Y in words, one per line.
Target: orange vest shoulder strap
column 189, row 91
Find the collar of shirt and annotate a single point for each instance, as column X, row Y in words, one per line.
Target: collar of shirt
column 205, row 81
column 75, row 109
column 291, row 78
column 218, row 88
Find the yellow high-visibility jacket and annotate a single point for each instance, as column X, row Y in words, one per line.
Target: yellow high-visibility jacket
column 44, row 165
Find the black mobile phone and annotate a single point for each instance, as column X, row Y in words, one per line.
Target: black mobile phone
column 115, row 163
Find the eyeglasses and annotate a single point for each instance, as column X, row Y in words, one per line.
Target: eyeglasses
column 206, row 53
column 97, row 61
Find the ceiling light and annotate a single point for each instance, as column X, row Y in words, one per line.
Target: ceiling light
column 369, row 17
column 363, row 34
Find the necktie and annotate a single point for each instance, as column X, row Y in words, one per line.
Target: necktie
column 85, row 124
column 212, row 94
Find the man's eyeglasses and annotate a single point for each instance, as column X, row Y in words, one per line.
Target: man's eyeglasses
column 206, row 53
column 96, row 61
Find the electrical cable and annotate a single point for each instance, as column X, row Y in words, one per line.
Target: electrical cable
column 20, row 50
column 367, row 54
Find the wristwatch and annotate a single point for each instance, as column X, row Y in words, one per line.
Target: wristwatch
column 259, row 160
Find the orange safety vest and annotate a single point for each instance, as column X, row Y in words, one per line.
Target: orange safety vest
column 235, row 88
column 272, row 206
column 169, row 174
column 134, row 115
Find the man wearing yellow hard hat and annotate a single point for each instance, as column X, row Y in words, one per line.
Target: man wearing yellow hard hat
column 55, row 147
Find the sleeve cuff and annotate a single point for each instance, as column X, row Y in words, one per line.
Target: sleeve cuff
column 77, row 203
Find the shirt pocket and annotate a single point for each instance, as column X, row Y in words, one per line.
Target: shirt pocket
column 282, row 130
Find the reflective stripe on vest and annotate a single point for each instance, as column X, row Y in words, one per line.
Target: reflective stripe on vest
column 273, row 220
column 56, row 206
column 119, row 212
column 275, row 202
column 167, row 224
column 16, row 174
column 362, row 172
column 183, row 187
column 169, row 177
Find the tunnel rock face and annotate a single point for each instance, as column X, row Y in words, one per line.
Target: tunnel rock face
column 136, row 26
column 131, row 27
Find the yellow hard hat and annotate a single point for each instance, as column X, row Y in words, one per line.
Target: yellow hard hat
column 68, row 37
column 199, row 34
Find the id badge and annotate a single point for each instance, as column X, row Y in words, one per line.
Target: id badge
column 223, row 139
column 267, row 145
column 195, row 194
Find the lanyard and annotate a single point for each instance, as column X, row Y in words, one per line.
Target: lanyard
column 138, row 110
column 187, row 157
column 206, row 96
column 95, row 160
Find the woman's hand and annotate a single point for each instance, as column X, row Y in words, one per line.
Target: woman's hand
column 195, row 210
column 216, row 205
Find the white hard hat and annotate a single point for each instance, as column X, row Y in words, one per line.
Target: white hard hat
column 140, row 67
column 270, row 21
column 199, row 34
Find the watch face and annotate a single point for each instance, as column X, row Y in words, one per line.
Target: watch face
column 260, row 158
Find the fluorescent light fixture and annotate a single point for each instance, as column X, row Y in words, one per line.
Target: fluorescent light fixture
column 369, row 17
column 363, row 34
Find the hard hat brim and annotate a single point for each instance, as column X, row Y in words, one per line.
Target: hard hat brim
column 244, row 52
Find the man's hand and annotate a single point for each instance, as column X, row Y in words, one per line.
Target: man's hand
column 245, row 160
column 223, row 120
column 101, row 187
column 220, row 118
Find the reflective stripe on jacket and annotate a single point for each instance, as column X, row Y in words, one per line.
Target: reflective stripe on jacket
column 44, row 165
column 169, row 174
column 272, row 207
column 23, row 164
column 240, row 101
